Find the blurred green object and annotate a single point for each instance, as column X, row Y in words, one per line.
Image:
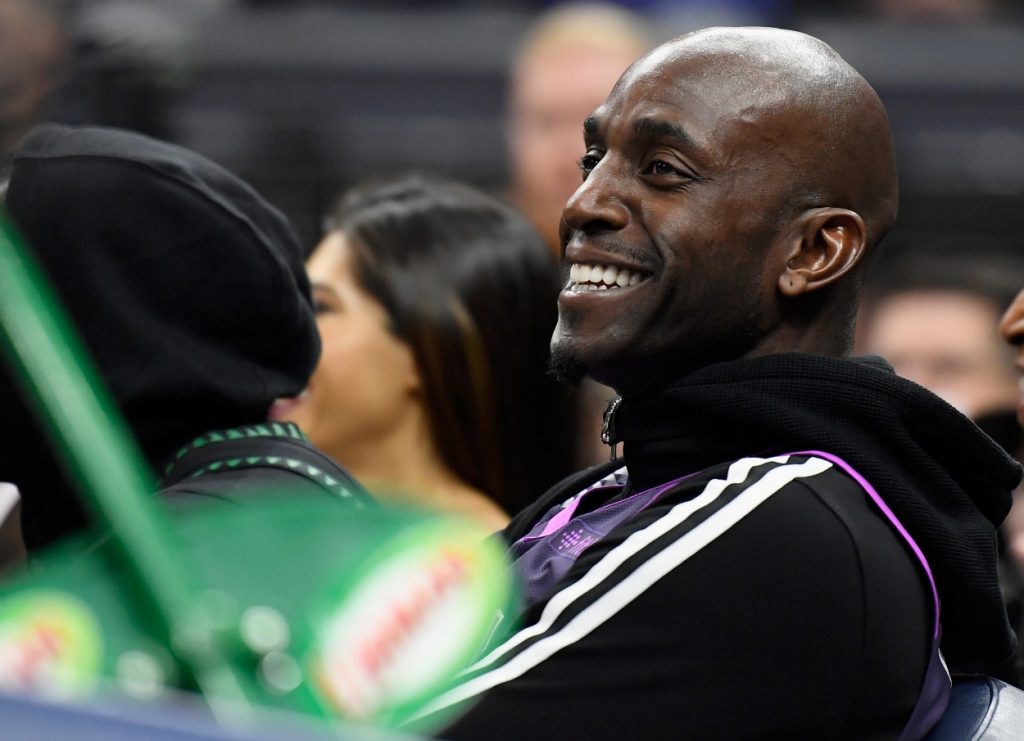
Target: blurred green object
column 328, row 611
column 290, row 602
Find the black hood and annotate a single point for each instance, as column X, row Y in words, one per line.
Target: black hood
column 187, row 287
column 947, row 482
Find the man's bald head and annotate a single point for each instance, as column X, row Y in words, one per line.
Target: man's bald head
column 737, row 177
column 793, row 92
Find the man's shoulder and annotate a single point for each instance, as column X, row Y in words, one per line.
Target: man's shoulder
column 734, row 490
column 788, row 489
column 814, row 472
column 740, row 511
column 757, row 478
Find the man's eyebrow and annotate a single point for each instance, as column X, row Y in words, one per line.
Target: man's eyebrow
column 590, row 126
column 652, row 128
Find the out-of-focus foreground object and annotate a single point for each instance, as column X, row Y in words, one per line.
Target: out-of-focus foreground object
column 392, row 605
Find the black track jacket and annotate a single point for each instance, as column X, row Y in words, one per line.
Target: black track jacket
column 765, row 597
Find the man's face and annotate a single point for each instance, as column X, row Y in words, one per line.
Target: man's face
column 684, row 185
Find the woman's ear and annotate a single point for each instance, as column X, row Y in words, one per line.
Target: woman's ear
column 831, row 243
column 411, row 371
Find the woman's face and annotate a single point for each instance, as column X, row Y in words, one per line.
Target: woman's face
column 365, row 385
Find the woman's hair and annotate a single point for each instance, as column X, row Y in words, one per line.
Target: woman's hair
column 472, row 289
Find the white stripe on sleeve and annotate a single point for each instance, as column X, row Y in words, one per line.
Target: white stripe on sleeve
column 620, row 595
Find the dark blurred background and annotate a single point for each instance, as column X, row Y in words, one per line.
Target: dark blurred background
column 305, row 98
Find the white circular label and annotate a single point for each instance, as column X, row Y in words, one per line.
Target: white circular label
column 50, row 644
column 406, row 629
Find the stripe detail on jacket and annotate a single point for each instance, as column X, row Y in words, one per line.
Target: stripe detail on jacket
column 749, row 482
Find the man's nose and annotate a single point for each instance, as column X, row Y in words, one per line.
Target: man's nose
column 598, row 204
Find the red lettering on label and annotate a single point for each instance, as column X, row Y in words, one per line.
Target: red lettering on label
column 387, row 634
column 40, row 646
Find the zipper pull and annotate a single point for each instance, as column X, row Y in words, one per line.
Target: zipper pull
column 608, row 427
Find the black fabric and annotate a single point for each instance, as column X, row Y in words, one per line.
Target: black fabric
column 187, row 287
column 808, row 618
column 946, row 481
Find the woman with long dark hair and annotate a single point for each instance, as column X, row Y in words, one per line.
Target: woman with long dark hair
column 436, row 304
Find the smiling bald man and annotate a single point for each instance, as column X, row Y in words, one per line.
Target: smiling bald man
column 791, row 535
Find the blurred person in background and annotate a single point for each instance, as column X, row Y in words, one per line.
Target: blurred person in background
column 189, row 293
column 935, row 316
column 435, row 304
column 1012, row 330
column 32, row 52
column 565, row 66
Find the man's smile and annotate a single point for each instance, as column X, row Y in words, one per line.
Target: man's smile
column 585, row 277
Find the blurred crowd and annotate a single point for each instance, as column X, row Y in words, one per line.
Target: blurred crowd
column 302, row 100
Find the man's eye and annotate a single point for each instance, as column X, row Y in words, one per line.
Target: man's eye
column 587, row 163
column 660, row 167
column 320, row 307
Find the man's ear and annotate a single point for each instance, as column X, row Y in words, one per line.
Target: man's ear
column 831, row 242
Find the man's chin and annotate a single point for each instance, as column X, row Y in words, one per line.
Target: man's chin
column 566, row 367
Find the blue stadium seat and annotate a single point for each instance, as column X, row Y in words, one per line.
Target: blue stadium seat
column 983, row 709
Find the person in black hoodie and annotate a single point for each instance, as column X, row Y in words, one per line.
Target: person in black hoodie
column 791, row 534
column 190, row 294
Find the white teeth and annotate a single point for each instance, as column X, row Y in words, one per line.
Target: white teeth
column 590, row 277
